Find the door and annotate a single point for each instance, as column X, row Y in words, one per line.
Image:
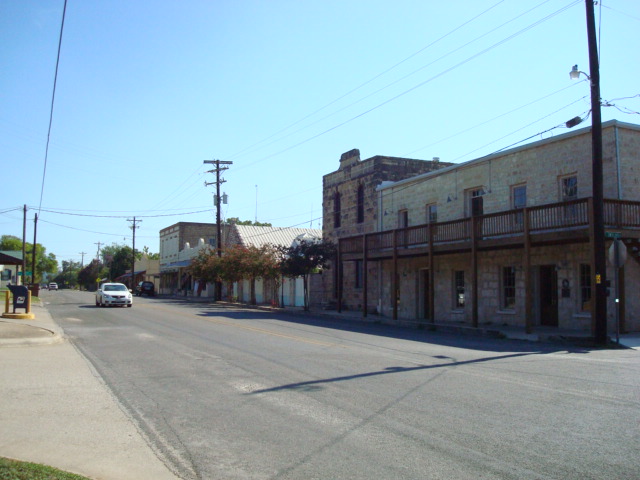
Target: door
column 548, row 295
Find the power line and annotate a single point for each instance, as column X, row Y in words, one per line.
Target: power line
column 53, row 97
column 421, row 84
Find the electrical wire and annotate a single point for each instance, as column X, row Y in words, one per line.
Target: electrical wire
column 53, row 97
column 415, row 87
column 364, row 83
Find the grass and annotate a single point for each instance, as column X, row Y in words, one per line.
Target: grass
column 15, row 470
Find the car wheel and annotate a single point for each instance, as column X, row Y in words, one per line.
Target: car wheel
column 97, row 303
column 129, row 306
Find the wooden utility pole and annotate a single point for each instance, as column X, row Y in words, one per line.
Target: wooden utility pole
column 24, row 246
column 217, row 170
column 33, row 254
column 133, row 259
column 598, row 283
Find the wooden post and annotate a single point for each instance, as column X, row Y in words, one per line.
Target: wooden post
column 364, row 275
column 338, row 276
column 431, row 276
column 528, row 287
column 394, row 281
column 474, row 272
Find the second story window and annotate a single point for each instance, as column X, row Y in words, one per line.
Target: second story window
column 569, row 188
column 519, row 196
column 336, row 210
column 360, row 203
column 519, row 201
column 475, row 206
column 403, row 218
column 432, row 213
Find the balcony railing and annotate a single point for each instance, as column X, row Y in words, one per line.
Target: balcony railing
column 618, row 214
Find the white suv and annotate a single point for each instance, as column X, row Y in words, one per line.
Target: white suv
column 53, row 286
column 110, row 294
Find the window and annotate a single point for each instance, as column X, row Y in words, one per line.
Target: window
column 508, row 288
column 360, row 203
column 212, row 241
column 569, row 188
column 458, row 289
column 519, row 196
column 336, row 210
column 432, row 213
column 568, row 192
column 585, row 287
column 474, row 202
column 403, row 218
column 359, row 273
column 519, row 201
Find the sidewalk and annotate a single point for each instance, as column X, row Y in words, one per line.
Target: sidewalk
column 55, row 409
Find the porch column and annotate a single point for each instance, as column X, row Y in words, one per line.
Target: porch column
column 394, row 280
column 338, row 276
column 431, row 292
column 528, row 287
column 474, row 272
column 364, row 275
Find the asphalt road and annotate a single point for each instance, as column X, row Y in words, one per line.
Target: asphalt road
column 243, row 394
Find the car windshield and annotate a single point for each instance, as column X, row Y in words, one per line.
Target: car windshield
column 115, row 288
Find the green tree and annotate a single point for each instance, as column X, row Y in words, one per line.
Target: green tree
column 68, row 277
column 237, row 221
column 304, row 258
column 45, row 263
column 148, row 254
column 88, row 277
column 118, row 259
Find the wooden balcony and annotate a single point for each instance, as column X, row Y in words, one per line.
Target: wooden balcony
column 551, row 224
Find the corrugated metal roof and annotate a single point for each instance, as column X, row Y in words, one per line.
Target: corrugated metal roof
column 258, row 236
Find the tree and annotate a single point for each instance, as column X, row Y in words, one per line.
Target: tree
column 306, row 257
column 69, row 275
column 45, row 263
column 118, row 259
column 148, row 254
column 237, row 221
column 88, row 277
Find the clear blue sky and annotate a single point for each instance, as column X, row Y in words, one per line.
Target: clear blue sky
column 147, row 90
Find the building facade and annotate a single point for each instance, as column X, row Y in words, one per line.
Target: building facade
column 504, row 239
column 350, row 207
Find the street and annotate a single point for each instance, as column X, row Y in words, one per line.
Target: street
column 233, row 393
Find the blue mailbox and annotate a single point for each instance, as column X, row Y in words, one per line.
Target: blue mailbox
column 20, row 296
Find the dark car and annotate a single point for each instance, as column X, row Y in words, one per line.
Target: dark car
column 145, row 288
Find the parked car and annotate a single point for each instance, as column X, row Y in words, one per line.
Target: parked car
column 110, row 294
column 53, row 286
column 145, row 288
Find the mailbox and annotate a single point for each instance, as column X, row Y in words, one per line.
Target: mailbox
column 20, row 296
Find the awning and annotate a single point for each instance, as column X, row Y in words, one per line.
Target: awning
column 128, row 275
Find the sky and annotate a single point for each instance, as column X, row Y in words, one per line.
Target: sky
column 146, row 91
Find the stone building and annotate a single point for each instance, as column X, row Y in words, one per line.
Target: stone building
column 350, row 206
column 181, row 242
column 504, row 239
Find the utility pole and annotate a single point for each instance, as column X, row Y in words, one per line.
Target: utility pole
column 98, row 254
column 217, row 170
column 33, row 254
column 24, row 245
column 82, row 261
column 599, row 308
column 133, row 260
